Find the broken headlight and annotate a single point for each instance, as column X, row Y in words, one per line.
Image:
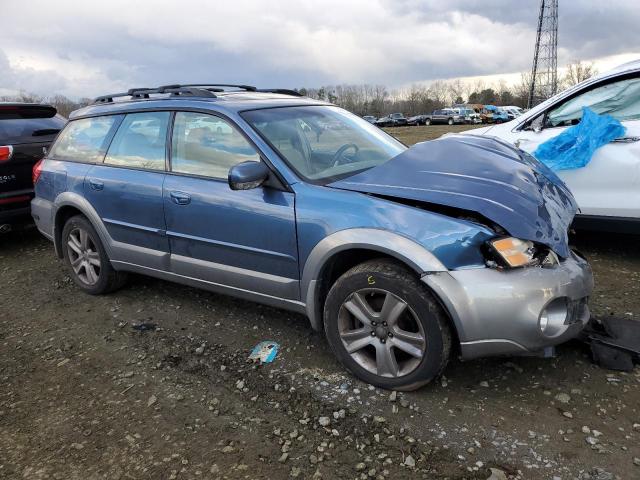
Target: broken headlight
column 513, row 252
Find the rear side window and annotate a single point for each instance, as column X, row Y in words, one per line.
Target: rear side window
column 29, row 130
column 207, row 145
column 84, row 140
column 140, row 141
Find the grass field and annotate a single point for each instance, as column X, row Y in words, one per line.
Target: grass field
column 411, row 135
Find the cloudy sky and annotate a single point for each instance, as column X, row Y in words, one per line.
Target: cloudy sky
column 87, row 47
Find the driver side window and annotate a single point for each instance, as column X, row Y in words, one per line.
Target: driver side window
column 619, row 99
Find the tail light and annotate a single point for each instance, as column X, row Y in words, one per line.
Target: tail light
column 6, row 152
column 37, row 170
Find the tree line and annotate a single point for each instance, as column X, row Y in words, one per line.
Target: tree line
column 378, row 100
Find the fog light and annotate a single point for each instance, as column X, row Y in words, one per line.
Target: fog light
column 553, row 318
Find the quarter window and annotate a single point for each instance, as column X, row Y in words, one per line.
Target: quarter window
column 207, row 145
column 84, row 140
column 619, row 99
column 140, row 141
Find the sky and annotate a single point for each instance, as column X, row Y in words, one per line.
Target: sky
column 85, row 48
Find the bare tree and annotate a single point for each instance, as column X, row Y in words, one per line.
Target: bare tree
column 577, row 72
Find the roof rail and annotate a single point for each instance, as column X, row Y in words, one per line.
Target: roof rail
column 283, row 91
column 141, row 93
column 206, row 90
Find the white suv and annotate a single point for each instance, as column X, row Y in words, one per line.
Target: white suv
column 607, row 189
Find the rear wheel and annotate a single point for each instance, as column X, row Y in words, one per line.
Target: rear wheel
column 386, row 327
column 87, row 259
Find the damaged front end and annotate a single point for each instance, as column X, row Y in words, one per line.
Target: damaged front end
column 505, row 188
column 508, row 308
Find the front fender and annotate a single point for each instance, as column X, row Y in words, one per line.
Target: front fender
column 405, row 250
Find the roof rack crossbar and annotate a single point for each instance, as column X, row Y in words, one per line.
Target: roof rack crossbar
column 207, row 90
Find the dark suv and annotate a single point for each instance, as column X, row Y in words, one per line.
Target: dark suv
column 26, row 131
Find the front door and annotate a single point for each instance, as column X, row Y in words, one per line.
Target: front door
column 243, row 240
column 126, row 190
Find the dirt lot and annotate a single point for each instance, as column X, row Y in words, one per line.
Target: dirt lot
column 85, row 395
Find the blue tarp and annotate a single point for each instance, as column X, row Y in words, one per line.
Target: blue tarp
column 574, row 147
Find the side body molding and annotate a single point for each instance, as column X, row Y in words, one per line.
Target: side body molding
column 407, row 251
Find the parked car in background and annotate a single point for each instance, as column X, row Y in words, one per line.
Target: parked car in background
column 370, row 118
column 607, row 189
column 26, row 131
column 513, row 112
column 416, row 120
column 445, row 115
column 392, row 120
column 470, row 116
column 343, row 224
column 493, row 114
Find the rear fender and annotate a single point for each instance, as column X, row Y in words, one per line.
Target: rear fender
column 70, row 199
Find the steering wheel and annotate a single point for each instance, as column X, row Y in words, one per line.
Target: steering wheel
column 340, row 153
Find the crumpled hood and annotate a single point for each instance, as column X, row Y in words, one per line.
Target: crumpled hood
column 480, row 174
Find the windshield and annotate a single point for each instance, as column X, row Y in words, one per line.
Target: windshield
column 322, row 143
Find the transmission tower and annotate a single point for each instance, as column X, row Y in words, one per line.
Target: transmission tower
column 544, row 73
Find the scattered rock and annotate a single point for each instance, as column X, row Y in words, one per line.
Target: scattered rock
column 360, row 467
column 152, row 400
column 484, row 384
column 497, row 474
column 324, row 421
column 409, row 461
column 563, row 398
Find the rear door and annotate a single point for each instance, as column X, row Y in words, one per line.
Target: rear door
column 126, row 190
column 25, row 133
column 245, row 240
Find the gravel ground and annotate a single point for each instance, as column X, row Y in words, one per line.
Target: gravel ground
column 87, row 393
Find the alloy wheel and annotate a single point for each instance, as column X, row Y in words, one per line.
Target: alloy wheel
column 381, row 332
column 84, row 257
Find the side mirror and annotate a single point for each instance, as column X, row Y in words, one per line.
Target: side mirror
column 248, row 175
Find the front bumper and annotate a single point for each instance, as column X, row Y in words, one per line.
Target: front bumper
column 499, row 312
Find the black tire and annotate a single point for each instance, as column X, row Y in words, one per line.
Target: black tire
column 450, row 121
column 427, row 122
column 108, row 279
column 402, row 284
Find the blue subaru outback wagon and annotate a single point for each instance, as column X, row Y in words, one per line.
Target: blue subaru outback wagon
column 402, row 256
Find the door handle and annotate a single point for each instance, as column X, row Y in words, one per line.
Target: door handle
column 180, row 198
column 95, row 184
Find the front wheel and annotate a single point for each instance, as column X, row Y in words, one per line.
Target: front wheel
column 427, row 121
column 450, row 121
column 385, row 326
column 87, row 259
